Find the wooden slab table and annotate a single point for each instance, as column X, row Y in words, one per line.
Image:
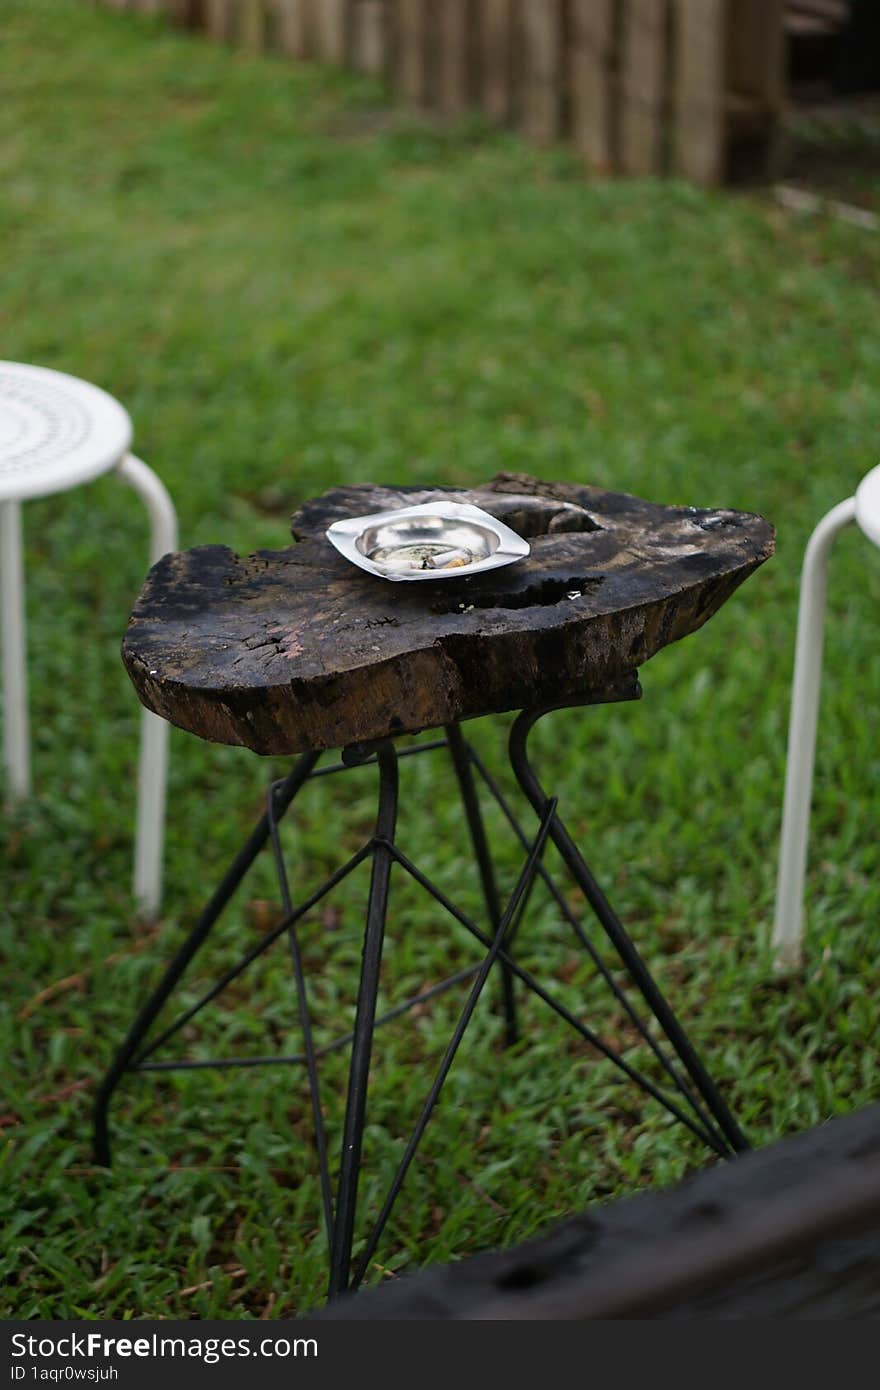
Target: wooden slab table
column 298, row 651
column 292, row 650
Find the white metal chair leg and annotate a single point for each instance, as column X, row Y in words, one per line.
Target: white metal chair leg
column 788, row 923
column 153, row 763
column 16, row 738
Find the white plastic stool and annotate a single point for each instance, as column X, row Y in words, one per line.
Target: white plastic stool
column 864, row 509
column 56, row 432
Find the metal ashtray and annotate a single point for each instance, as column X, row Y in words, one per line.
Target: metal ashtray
column 438, row 540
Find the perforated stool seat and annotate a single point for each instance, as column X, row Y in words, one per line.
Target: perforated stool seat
column 863, row 509
column 57, row 432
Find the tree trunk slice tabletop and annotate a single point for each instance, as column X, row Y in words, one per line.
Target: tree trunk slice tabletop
column 294, row 650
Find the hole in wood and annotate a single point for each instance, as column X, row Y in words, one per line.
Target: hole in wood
column 543, row 593
column 545, row 517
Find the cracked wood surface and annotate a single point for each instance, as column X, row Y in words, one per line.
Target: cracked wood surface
column 284, row 651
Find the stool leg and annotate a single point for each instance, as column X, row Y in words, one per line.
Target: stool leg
column 365, row 1018
column 153, row 762
column 16, row 741
column 305, row 1016
column 150, row 821
column 617, row 934
column 461, row 760
column 506, row 924
column 789, row 917
column 193, row 943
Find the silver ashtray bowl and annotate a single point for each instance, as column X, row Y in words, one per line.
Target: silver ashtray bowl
column 438, row 540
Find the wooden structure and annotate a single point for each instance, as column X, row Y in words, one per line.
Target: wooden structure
column 294, row 650
column 686, row 87
column 792, row 1231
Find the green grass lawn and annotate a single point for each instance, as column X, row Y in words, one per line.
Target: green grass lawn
column 291, row 285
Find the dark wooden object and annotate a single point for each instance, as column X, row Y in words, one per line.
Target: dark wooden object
column 289, row 650
column 792, row 1231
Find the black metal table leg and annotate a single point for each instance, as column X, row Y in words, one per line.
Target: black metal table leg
column 461, row 759
column 687, row 1091
column 275, row 808
column 616, row 932
column 194, row 941
column 365, row 1019
column 506, row 924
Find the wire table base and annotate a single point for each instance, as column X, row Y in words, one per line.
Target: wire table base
column 687, row 1091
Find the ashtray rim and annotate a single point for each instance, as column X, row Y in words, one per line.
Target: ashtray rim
column 345, row 533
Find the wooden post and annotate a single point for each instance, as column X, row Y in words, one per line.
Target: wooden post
column 181, row 12
column 542, row 63
column 755, row 85
column 331, row 31
column 698, row 101
column 217, row 19
column 411, row 45
column 251, row 25
column 495, row 23
column 755, row 40
column 292, row 27
column 591, row 53
column 453, row 40
column 642, row 86
column 369, row 37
